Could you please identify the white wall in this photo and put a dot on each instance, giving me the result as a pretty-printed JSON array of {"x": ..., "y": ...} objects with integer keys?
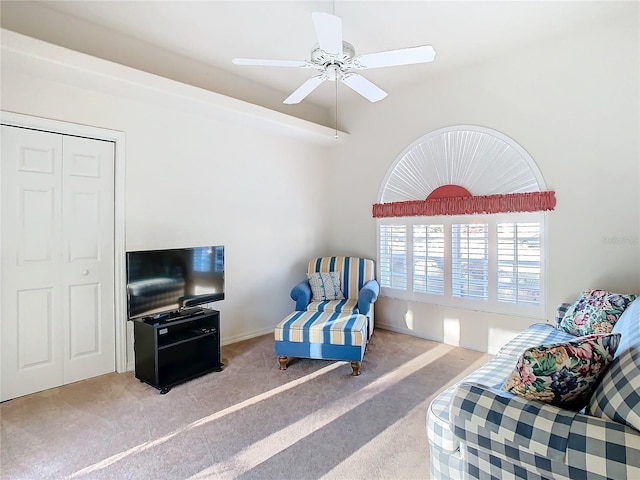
[
  {"x": 573, "y": 104},
  {"x": 215, "y": 171},
  {"x": 196, "y": 173}
]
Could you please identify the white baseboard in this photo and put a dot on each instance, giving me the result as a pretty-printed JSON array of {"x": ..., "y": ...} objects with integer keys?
[
  {"x": 246, "y": 336},
  {"x": 406, "y": 331},
  {"x": 412, "y": 333}
]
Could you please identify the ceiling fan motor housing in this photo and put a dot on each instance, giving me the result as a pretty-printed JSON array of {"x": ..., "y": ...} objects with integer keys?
[{"x": 323, "y": 59}]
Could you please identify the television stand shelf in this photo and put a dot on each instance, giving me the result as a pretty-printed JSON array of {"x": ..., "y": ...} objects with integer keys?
[{"x": 177, "y": 349}]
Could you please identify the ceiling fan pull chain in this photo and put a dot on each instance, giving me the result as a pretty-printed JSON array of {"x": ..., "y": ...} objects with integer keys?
[{"x": 336, "y": 136}]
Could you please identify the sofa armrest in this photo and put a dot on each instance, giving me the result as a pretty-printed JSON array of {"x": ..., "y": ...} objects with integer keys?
[
  {"x": 482, "y": 415},
  {"x": 560, "y": 311},
  {"x": 616, "y": 445},
  {"x": 301, "y": 294},
  {"x": 368, "y": 295},
  {"x": 522, "y": 430}
]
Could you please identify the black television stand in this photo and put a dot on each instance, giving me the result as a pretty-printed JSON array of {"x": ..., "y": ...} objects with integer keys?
[{"x": 176, "y": 348}]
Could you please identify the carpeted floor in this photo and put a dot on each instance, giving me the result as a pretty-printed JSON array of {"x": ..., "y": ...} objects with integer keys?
[{"x": 250, "y": 421}]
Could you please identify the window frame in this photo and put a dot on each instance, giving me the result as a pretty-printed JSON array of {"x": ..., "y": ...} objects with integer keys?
[{"x": 491, "y": 305}]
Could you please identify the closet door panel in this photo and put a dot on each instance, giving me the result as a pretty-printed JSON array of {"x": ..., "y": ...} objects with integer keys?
[
  {"x": 84, "y": 320},
  {"x": 88, "y": 280},
  {"x": 35, "y": 329},
  {"x": 37, "y": 209},
  {"x": 31, "y": 332}
]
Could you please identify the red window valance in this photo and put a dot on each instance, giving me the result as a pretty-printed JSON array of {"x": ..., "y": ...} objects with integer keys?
[{"x": 465, "y": 205}]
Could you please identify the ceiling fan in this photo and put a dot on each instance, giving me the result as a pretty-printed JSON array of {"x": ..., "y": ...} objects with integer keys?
[{"x": 335, "y": 59}]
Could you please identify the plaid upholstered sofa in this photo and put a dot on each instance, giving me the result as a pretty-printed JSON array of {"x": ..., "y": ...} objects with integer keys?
[{"x": 477, "y": 430}]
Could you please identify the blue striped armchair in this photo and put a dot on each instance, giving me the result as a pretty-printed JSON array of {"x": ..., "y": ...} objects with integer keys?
[{"x": 331, "y": 329}]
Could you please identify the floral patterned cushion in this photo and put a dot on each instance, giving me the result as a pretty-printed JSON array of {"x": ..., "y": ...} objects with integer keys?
[
  {"x": 325, "y": 286},
  {"x": 595, "y": 311},
  {"x": 563, "y": 374}
]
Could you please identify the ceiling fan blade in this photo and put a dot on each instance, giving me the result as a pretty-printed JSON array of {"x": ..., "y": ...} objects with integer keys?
[
  {"x": 392, "y": 58},
  {"x": 329, "y": 32},
  {"x": 364, "y": 87},
  {"x": 305, "y": 89},
  {"x": 269, "y": 63}
]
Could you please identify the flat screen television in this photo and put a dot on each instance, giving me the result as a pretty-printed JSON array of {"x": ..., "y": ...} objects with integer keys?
[{"x": 162, "y": 282}]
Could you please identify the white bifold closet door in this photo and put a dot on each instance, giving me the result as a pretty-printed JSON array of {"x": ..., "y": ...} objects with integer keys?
[{"x": 57, "y": 249}]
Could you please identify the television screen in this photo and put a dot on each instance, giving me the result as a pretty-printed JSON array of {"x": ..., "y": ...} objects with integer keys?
[{"x": 160, "y": 281}]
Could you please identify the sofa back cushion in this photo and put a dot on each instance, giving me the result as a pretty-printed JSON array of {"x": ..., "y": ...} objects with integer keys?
[
  {"x": 628, "y": 325},
  {"x": 355, "y": 272},
  {"x": 617, "y": 397}
]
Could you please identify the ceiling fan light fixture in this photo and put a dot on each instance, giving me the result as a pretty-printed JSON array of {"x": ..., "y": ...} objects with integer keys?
[{"x": 333, "y": 72}]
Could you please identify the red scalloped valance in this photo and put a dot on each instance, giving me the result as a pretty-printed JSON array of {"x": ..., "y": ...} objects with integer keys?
[{"x": 504, "y": 203}]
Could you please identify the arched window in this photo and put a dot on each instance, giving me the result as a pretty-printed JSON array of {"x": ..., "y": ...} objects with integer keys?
[{"x": 461, "y": 223}]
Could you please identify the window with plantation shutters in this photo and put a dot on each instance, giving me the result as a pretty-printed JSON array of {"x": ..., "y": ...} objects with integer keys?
[
  {"x": 519, "y": 263},
  {"x": 470, "y": 260},
  {"x": 428, "y": 259},
  {"x": 493, "y": 263},
  {"x": 393, "y": 256}
]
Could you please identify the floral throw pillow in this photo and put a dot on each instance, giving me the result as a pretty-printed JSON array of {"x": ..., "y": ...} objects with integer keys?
[
  {"x": 563, "y": 374},
  {"x": 325, "y": 286},
  {"x": 595, "y": 311}
]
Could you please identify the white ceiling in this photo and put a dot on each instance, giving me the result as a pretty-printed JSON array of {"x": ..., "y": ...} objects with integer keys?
[{"x": 214, "y": 32}]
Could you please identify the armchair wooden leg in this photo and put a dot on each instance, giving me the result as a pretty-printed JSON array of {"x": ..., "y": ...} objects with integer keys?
[
  {"x": 283, "y": 362},
  {"x": 355, "y": 366}
]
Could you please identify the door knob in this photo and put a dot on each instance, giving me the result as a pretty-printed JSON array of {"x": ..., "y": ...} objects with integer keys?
[{"x": 85, "y": 272}]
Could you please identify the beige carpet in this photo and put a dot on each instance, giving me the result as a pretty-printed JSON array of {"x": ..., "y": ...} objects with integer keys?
[{"x": 250, "y": 421}]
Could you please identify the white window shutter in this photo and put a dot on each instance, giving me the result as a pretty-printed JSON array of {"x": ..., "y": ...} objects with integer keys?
[
  {"x": 428, "y": 259},
  {"x": 470, "y": 261},
  {"x": 519, "y": 263},
  {"x": 393, "y": 256}
]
